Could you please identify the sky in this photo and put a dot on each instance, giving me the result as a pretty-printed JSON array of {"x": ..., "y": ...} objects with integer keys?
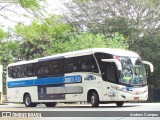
[{"x": 52, "y": 8}]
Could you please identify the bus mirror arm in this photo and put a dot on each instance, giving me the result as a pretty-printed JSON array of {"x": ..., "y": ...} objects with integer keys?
[
  {"x": 117, "y": 62},
  {"x": 150, "y": 65}
]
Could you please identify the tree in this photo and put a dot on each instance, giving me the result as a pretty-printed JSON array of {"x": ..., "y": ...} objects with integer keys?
[
  {"x": 117, "y": 41},
  {"x": 136, "y": 20},
  {"x": 148, "y": 47},
  {"x": 40, "y": 37},
  {"x": 50, "y": 36},
  {"x": 132, "y": 18},
  {"x": 29, "y": 7},
  {"x": 8, "y": 50},
  {"x": 2, "y": 34}
]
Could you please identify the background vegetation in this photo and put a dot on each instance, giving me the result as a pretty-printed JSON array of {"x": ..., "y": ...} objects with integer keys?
[{"x": 124, "y": 24}]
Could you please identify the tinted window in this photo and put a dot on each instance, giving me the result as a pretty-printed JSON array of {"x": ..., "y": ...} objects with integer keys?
[
  {"x": 88, "y": 64},
  {"x": 31, "y": 70},
  {"x": 81, "y": 64},
  {"x": 100, "y": 56},
  {"x": 108, "y": 70},
  {"x": 72, "y": 65},
  {"x": 47, "y": 68},
  {"x": 12, "y": 72},
  {"x": 42, "y": 69},
  {"x": 111, "y": 72},
  {"x": 54, "y": 67},
  {"x": 50, "y": 68},
  {"x": 21, "y": 71}
]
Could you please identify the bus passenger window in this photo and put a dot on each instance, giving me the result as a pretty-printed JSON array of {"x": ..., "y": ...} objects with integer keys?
[
  {"x": 85, "y": 66},
  {"x": 55, "y": 67},
  {"x": 88, "y": 64},
  {"x": 29, "y": 70},
  {"x": 10, "y": 72},
  {"x": 71, "y": 65}
]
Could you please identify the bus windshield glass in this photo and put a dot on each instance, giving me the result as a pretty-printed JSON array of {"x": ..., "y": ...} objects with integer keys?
[{"x": 133, "y": 72}]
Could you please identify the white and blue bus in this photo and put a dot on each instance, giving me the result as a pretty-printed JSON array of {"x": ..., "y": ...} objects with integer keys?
[{"x": 98, "y": 75}]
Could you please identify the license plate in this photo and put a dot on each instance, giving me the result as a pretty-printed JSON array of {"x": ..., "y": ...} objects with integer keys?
[{"x": 136, "y": 98}]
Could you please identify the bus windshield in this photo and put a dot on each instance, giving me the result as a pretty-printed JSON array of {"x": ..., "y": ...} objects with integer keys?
[{"x": 133, "y": 72}]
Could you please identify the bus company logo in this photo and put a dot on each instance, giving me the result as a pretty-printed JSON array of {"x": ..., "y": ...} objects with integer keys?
[
  {"x": 127, "y": 89},
  {"x": 21, "y": 114},
  {"x": 112, "y": 94},
  {"x": 6, "y": 114},
  {"x": 90, "y": 77},
  {"x": 73, "y": 79}
]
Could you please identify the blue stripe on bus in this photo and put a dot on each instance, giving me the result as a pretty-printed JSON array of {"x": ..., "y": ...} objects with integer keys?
[{"x": 45, "y": 81}]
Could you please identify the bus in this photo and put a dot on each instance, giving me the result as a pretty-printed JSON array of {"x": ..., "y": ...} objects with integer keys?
[{"x": 97, "y": 75}]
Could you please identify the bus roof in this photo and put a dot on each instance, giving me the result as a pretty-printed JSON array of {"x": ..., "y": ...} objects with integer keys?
[{"x": 118, "y": 52}]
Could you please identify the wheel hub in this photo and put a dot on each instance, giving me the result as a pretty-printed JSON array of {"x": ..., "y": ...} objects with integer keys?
[
  {"x": 92, "y": 99},
  {"x": 28, "y": 101}
]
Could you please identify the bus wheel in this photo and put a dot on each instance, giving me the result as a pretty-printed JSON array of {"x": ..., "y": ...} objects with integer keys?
[
  {"x": 120, "y": 103},
  {"x": 50, "y": 104},
  {"x": 94, "y": 99},
  {"x": 28, "y": 101}
]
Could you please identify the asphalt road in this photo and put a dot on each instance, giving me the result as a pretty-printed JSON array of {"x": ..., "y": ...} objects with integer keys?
[
  {"x": 136, "y": 110},
  {"x": 83, "y": 107}
]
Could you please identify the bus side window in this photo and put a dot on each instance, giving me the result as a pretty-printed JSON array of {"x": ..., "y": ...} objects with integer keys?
[
  {"x": 88, "y": 64},
  {"x": 71, "y": 65},
  {"x": 111, "y": 74},
  {"x": 10, "y": 72},
  {"x": 29, "y": 70},
  {"x": 108, "y": 70},
  {"x": 20, "y": 71},
  {"x": 56, "y": 67},
  {"x": 41, "y": 69}
]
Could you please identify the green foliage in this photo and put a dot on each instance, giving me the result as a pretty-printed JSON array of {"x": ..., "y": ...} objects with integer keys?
[
  {"x": 7, "y": 53},
  {"x": 2, "y": 34},
  {"x": 81, "y": 1},
  {"x": 81, "y": 40},
  {"x": 50, "y": 37},
  {"x": 29, "y": 9},
  {"x": 136, "y": 20},
  {"x": 148, "y": 47},
  {"x": 30, "y": 4},
  {"x": 117, "y": 41},
  {"x": 132, "y": 18},
  {"x": 39, "y": 38}
]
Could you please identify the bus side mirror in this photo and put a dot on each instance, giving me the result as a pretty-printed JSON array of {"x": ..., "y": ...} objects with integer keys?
[
  {"x": 117, "y": 62},
  {"x": 150, "y": 65}
]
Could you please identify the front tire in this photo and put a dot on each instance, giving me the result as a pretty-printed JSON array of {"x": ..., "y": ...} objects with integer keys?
[
  {"x": 94, "y": 99},
  {"x": 119, "y": 104},
  {"x": 28, "y": 101},
  {"x": 51, "y": 104}
]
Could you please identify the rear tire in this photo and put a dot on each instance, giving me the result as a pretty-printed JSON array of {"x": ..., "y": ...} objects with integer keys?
[
  {"x": 119, "y": 104},
  {"x": 28, "y": 101},
  {"x": 94, "y": 99},
  {"x": 51, "y": 104}
]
